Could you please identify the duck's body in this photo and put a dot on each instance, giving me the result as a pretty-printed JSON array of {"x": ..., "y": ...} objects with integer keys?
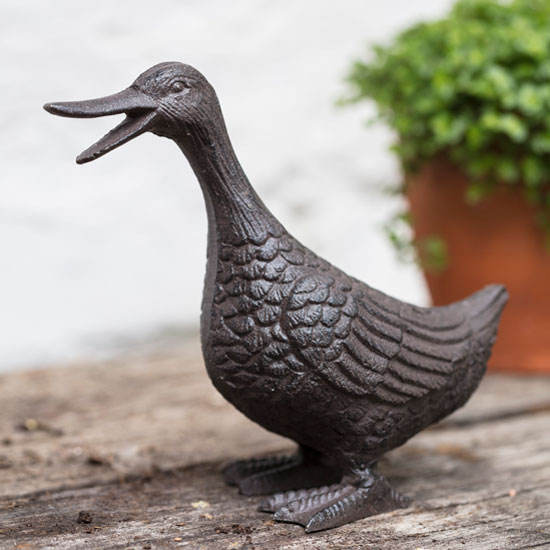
[
  {"x": 294, "y": 343},
  {"x": 312, "y": 354}
]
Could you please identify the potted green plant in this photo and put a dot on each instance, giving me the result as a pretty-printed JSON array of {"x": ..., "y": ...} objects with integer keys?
[{"x": 468, "y": 97}]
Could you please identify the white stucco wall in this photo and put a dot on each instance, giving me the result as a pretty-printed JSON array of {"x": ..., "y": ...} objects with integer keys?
[{"x": 114, "y": 251}]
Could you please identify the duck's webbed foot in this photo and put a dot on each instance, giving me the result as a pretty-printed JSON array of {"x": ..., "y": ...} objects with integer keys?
[
  {"x": 357, "y": 496},
  {"x": 263, "y": 476}
]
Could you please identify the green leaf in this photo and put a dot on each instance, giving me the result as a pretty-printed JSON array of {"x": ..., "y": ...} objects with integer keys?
[
  {"x": 444, "y": 85},
  {"x": 448, "y": 129},
  {"x": 507, "y": 170},
  {"x": 479, "y": 166},
  {"x": 500, "y": 80},
  {"x": 533, "y": 171},
  {"x": 475, "y": 137},
  {"x": 530, "y": 100},
  {"x": 509, "y": 124},
  {"x": 513, "y": 126},
  {"x": 541, "y": 143},
  {"x": 533, "y": 44},
  {"x": 476, "y": 192},
  {"x": 432, "y": 253}
]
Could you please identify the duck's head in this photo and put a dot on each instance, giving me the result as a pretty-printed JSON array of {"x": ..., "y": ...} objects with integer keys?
[{"x": 167, "y": 99}]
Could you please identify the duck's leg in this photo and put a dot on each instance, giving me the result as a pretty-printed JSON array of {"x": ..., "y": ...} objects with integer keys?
[
  {"x": 263, "y": 476},
  {"x": 360, "y": 494}
]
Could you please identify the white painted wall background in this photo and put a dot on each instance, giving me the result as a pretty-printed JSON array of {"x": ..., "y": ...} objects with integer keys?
[{"x": 114, "y": 251}]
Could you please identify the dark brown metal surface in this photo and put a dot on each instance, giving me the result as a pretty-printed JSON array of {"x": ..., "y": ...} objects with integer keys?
[{"x": 294, "y": 343}]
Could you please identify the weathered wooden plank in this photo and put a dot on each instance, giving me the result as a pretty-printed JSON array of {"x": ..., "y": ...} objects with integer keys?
[
  {"x": 133, "y": 417},
  {"x": 136, "y": 446}
]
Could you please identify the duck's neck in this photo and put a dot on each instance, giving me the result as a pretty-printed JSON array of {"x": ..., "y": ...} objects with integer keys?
[{"x": 235, "y": 212}]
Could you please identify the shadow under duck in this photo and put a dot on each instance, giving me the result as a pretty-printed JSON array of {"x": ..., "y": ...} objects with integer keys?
[{"x": 294, "y": 343}]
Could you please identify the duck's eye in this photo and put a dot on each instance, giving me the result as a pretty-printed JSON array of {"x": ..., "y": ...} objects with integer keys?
[{"x": 178, "y": 86}]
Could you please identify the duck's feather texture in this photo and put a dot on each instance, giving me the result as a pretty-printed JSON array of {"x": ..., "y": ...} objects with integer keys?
[{"x": 366, "y": 344}]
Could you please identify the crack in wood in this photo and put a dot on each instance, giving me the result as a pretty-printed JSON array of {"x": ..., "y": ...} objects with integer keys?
[{"x": 500, "y": 415}]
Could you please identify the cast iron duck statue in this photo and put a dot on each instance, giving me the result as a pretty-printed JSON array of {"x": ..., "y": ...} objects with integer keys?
[{"x": 294, "y": 343}]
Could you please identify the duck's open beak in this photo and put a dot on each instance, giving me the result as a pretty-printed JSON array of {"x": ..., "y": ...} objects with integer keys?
[{"x": 140, "y": 112}]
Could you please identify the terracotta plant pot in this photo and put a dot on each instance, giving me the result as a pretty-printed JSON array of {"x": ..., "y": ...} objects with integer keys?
[{"x": 496, "y": 241}]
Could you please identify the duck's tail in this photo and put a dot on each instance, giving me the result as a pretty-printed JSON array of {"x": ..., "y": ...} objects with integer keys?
[{"x": 486, "y": 309}]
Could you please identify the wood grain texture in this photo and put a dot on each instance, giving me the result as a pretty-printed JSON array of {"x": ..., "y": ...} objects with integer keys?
[{"x": 127, "y": 453}]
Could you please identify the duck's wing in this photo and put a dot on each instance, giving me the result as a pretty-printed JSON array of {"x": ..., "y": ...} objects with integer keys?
[{"x": 365, "y": 343}]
